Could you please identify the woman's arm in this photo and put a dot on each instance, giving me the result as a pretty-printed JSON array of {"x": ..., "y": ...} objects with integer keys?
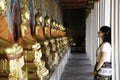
[{"x": 101, "y": 61}]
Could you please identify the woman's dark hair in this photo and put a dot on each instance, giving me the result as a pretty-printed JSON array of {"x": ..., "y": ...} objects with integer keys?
[{"x": 106, "y": 30}]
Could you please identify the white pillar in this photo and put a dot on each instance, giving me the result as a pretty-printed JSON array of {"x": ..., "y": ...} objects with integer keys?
[
  {"x": 102, "y": 10},
  {"x": 94, "y": 33},
  {"x": 92, "y": 29},
  {"x": 88, "y": 23},
  {"x": 91, "y": 34},
  {"x": 98, "y": 10},
  {"x": 115, "y": 39},
  {"x": 119, "y": 40},
  {"x": 107, "y": 12}
]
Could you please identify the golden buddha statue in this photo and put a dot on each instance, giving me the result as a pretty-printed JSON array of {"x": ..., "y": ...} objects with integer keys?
[
  {"x": 53, "y": 29},
  {"x": 40, "y": 34},
  {"x": 30, "y": 44},
  {"x": 41, "y": 37},
  {"x": 25, "y": 27},
  {"x": 10, "y": 52},
  {"x": 62, "y": 32},
  {"x": 47, "y": 27},
  {"x": 57, "y": 29},
  {"x": 39, "y": 29},
  {"x": 35, "y": 56},
  {"x": 27, "y": 40},
  {"x": 42, "y": 71},
  {"x": 4, "y": 30}
]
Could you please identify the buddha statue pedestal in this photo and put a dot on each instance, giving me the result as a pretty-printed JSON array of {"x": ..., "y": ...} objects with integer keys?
[
  {"x": 57, "y": 42},
  {"x": 12, "y": 63},
  {"x": 42, "y": 71},
  {"x": 54, "y": 52},
  {"x": 29, "y": 64},
  {"x": 47, "y": 57},
  {"x": 29, "y": 56},
  {"x": 36, "y": 69}
]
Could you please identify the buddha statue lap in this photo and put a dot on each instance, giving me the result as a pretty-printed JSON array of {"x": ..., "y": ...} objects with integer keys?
[
  {"x": 11, "y": 57},
  {"x": 54, "y": 52},
  {"x": 47, "y": 27}
]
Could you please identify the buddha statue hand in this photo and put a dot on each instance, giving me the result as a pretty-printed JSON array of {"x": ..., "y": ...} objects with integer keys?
[
  {"x": 46, "y": 43},
  {"x": 52, "y": 41},
  {"x": 15, "y": 44},
  {"x": 14, "y": 50},
  {"x": 37, "y": 60},
  {"x": 36, "y": 46},
  {"x": 19, "y": 50}
]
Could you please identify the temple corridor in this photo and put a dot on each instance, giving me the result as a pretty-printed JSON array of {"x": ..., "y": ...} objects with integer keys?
[
  {"x": 56, "y": 39},
  {"x": 78, "y": 67}
]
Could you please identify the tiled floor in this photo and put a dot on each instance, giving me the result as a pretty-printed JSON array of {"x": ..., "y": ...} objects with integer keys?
[{"x": 78, "y": 68}]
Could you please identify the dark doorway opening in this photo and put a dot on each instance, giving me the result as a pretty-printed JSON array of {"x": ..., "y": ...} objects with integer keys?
[{"x": 74, "y": 21}]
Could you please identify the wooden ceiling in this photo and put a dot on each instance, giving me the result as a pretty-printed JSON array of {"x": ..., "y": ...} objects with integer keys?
[{"x": 73, "y": 4}]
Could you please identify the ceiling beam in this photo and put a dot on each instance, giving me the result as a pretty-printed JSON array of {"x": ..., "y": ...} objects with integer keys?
[
  {"x": 73, "y": 5},
  {"x": 71, "y": 1}
]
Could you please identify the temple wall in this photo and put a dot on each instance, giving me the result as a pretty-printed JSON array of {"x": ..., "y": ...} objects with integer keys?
[{"x": 51, "y": 8}]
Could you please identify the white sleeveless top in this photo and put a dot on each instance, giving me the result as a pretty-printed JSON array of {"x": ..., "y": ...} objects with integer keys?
[{"x": 106, "y": 49}]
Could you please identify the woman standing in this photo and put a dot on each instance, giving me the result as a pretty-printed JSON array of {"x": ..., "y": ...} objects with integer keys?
[{"x": 103, "y": 69}]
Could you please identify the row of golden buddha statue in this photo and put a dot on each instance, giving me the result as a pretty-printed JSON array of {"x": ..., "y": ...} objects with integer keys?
[{"x": 31, "y": 57}]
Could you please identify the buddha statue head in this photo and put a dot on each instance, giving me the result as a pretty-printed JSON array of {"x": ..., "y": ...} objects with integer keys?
[
  {"x": 39, "y": 18},
  {"x": 56, "y": 25},
  {"x": 47, "y": 21},
  {"x": 3, "y": 6},
  {"x": 53, "y": 23},
  {"x": 25, "y": 13},
  {"x": 59, "y": 26}
]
